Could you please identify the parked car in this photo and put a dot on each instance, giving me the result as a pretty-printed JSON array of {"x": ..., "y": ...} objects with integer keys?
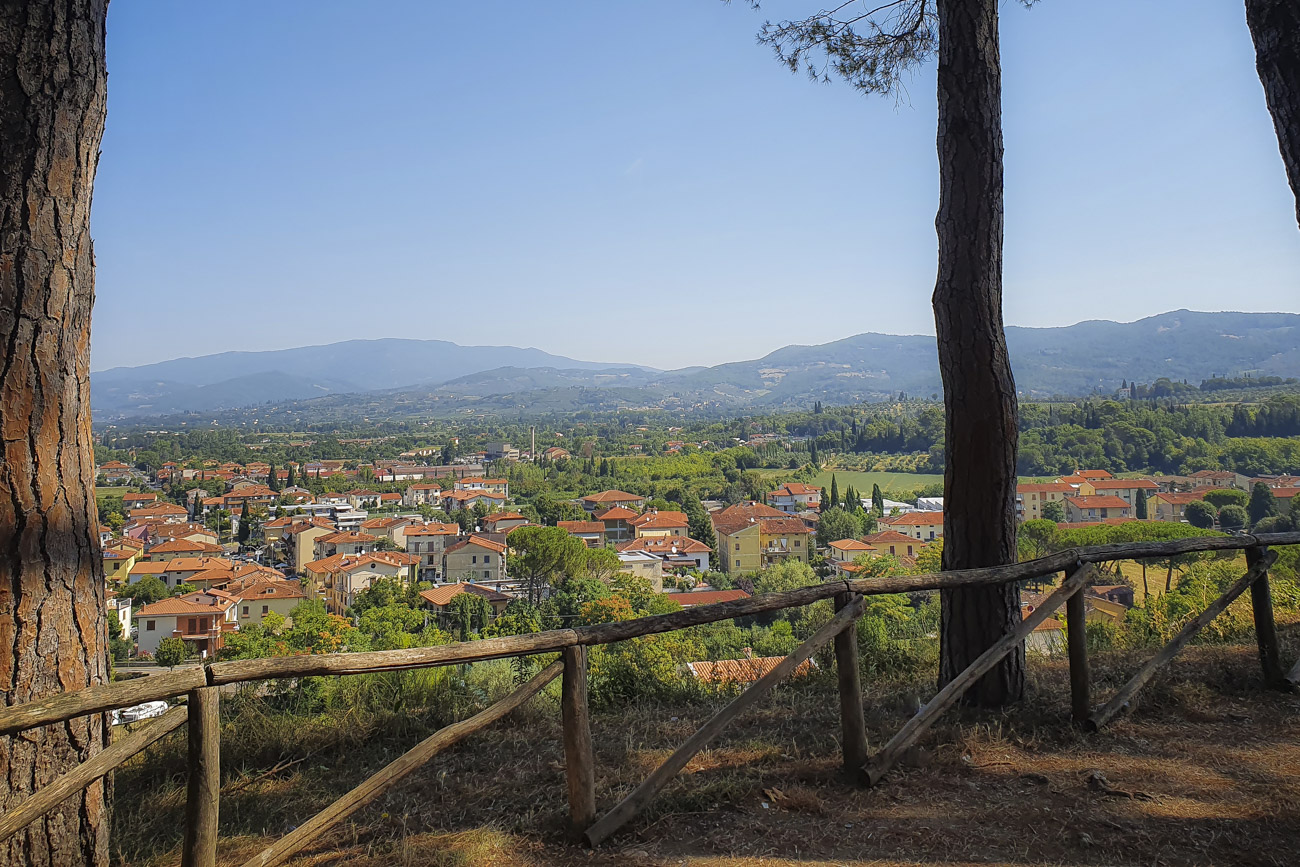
[{"x": 148, "y": 710}]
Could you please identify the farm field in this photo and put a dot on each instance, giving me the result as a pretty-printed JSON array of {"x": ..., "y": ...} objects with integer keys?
[
  {"x": 112, "y": 491},
  {"x": 862, "y": 481}
]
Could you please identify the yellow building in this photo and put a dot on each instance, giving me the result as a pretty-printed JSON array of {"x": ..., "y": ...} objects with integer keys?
[
  {"x": 752, "y": 536},
  {"x": 118, "y": 560},
  {"x": 1030, "y": 498},
  {"x": 339, "y": 578},
  {"x": 660, "y": 525}
]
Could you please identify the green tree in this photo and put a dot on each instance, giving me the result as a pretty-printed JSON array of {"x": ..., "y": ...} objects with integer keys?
[
  {"x": 171, "y": 652},
  {"x": 1140, "y": 505},
  {"x": 272, "y": 478},
  {"x": 545, "y": 556},
  {"x": 245, "y": 524},
  {"x": 835, "y": 524},
  {"x": 1200, "y": 514},
  {"x": 1232, "y": 517},
  {"x": 1036, "y": 538},
  {"x": 835, "y": 493},
  {"x": 292, "y": 480},
  {"x": 877, "y": 499},
  {"x": 468, "y": 614},
  {"x": 1220, "y": 497},
  {"x": 1054, "y": 512},
  {"x": 147, "y": 590},
  {"x": 1262, "y": 503}
]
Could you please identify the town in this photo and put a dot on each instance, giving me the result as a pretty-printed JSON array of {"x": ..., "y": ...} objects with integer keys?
[{"x": 195, "y": 555}]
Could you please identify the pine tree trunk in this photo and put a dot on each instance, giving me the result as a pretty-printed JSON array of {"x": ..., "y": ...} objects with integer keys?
[
  {"x": 979, "y": 393},
  {"x": 1275, "y": 29},
  {"x": 53, "y": 634}
]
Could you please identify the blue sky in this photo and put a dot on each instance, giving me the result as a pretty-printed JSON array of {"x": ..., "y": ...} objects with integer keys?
[{"x": 640, "y": 181}]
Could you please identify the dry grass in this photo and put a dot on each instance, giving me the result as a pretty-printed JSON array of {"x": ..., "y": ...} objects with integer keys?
[{"x": 1205, "y": 771}]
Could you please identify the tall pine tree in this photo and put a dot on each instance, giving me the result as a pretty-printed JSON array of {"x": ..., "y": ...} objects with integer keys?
[{"x": 835, "y": 491}]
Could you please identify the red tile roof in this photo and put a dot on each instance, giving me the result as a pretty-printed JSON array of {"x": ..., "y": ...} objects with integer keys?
[
  {"x": 745, "y": 670},
  {"x": 1098, "y": 501},
  {"x": 444, "y": 593},
  {"x": 613, "y": 497}
]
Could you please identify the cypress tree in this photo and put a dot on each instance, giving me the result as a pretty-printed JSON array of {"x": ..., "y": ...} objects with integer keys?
[
  {"x": 272, "y": 478},
  {"x": 1140, "y": 505},
  {"x": 244, "y": 522},
  {"x": 835, "y": 491},
  {"x": 1262, "y": 503},
  {"x": 877, "y": 499},
  {"x": 293, "y": 479}
]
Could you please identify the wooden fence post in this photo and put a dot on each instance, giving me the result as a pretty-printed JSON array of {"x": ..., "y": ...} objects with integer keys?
[
  {"x": 579, "y": 767},
  {"x": 203, "y": 791},
  {"x": 1261, "y": 601},
  {"x": 853, "y": 726},
  {"x": 1076, "y": 633}
]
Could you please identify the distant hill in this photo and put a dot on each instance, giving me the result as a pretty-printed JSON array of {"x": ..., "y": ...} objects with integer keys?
[
  {"x": 234, "y": 379},
  {"x": 1081, "y": 359}
]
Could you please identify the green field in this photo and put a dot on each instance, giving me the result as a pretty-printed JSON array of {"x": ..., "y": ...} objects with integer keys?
[
  {"x": 862, "y": 482},
  {"x": 101, "y": 493}
]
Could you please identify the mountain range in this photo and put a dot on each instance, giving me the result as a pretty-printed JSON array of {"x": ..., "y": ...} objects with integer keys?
[{"x": 438, "y": 377}]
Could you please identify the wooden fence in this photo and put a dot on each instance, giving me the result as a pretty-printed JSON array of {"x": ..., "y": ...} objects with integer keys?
[{"x": 202, "y": 685}]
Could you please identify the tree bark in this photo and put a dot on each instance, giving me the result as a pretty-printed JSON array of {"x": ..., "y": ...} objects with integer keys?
[
  {"x": 979, "y": 392},
  {"x": 53, "y": 635},
  {"x": 1275, "y": 28}
]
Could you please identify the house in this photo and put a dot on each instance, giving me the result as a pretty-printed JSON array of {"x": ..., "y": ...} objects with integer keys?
[
  {"x": 608, "y": 499},
  {"x": 138, "y": 501},
  {"x": 428, "y": 542},
  {"x": 1125, "y": 489},
  {"x": 114, "y": 471},
  {"x": 180, "y": 570},
  {"x": 477, "y": 483},
  {"x": 618, "y": 523},
  {"x": 344, "y": 543},
  {"x": 926, "y": 526},
  {"x": 475, "y": 559},
  {"x": 1109, "y": 602},
  {"x": 454, "y": 500},
  {"x": 1220, "y": 479},
  {"x": 746, "y": 670},
  {"x": 362, "y": 499},
  {"x": 673, "y": 552},
  {"x": 422, "y": 494},
  {"x": 1097, "y": 507},
  {"x": 118, "y": 560},
  {"x": 752, "y": 536},
  {"x": 843, "y": 552},
  {"x": 1048, "y": 637},
  {"x": 391, "y": 528},
  {"x": 119, "y": 608},
  {"x": 503, "y": 522},
  {"x": 165, "y": 512},
  {"x": 893, "y": 543},
  {"x": 591, "y": 532},
  {"x": 439, "y": 598},
  {"x": 170, "y": 549},
  {"x": 142, "y": 568},
  {"x": 299, "y": 539},
  {"x": 1031, "y": 497},
  {"x": 1094, "y": 475},
  {"x": 659, "y": 525},
  {"x": 201, "y": 619},
  {"x": 1170, "y": 506},
  {"x": 259, "y": 596},
  {"x": 795, "y": 497},
  {"x": 641, "y": 564},
  {"x": 340, "y": 577},
  {"x": 555, "y": 453},
  {"x": 705, "y": 595}
]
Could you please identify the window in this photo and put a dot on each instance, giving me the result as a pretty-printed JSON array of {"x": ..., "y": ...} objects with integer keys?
[
  {"x": 737, "y": 546},
  {"x": 245, "y": 610},
  {"x": 148, "y": 626},
  {"x": 475, "y": 560},
  {"x": 266, "y": 609},
  {"x": 487, "y": 558},
  {"x": 486, "y": 574},
  {"x": 798, "y": 543}
]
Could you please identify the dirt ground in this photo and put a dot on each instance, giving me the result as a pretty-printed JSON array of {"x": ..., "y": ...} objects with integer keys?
[{"x": 1206, "y": 770}]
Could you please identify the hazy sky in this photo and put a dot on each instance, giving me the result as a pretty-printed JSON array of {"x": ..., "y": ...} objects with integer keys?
[{"x": 639, "y": 181}]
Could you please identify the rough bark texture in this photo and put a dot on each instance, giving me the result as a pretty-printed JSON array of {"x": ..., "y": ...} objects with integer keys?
[
  {"x": 979, "y": 393},
  {"x": 1275, "y": 28},
  {"x": 52, "y": 624}
]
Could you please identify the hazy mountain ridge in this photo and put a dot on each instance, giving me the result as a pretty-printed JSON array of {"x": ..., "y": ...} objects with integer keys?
[{"x": 1095, "y": 355}]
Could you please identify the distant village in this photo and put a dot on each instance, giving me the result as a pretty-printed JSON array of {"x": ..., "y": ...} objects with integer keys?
[{"x": 282, "y": 545}]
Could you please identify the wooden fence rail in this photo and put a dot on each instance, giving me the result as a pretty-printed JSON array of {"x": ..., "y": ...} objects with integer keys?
[{"x": 202, "y": 685}]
